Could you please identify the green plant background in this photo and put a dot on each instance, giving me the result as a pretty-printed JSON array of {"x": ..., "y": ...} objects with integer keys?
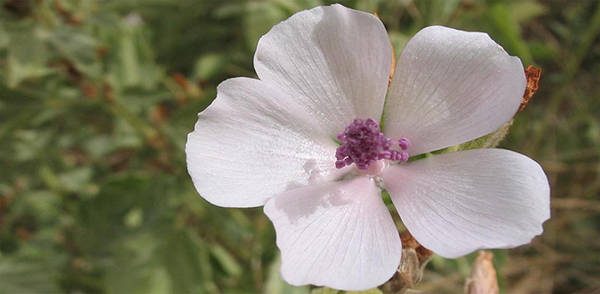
[{"x": 96, "y": 99}]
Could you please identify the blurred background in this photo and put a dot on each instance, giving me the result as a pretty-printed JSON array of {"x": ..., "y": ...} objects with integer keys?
[{"x": 96, "y": 99}]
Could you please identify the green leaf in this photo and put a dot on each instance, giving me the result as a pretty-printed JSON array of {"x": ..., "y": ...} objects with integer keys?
[
  {"x": 508, "y": 31},
  {"x": 208, "y": 66},
  {"x": 27, "y": 56},
  {"x": 27, "y": 274},
  {"x": 226, "y": 260},
  {"x": 180, "y": 256},
  {"x": 523, "y": 11},
  {"x": 370, "y": 291},
  {"x": 487, "y": 141},
  {"x": 275, "y": 284},
  {"x": 134, "y": 269},
  {"x": 77, "y": 180},
  {"x": 324, "y": 290},
  {"x": 437, "y": 11},
  {"x": 78, "y": 48},
  {"x": 260, "y": 17}
]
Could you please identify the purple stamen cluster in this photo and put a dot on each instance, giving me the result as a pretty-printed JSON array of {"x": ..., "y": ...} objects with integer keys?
[{"x": 363, "y": 143}]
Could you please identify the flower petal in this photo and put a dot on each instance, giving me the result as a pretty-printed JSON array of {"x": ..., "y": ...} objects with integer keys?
[
  {"x": 335, "y": 61},
  {"x": 451, "y": 87},
  {"x": 458, "y": 202},
  {"x": 254, "y": 142},
  {"x": 338, "y": 234}
]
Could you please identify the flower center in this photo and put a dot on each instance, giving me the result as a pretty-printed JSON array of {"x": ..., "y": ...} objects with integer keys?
[{"x": 363, "y": 143}]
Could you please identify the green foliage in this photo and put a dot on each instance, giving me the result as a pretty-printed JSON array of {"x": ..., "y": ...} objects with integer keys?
[{"x": 96, "y": 99}]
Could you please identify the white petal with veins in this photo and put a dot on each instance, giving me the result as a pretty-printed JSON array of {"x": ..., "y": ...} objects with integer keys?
[
  {"x": 451, "y": 87},
  {"x": 338, "y": 234},
  {"x": 333, "y": 60},
  {"x": 253, "y": 142},
  {"x": 458, "y": 202}
]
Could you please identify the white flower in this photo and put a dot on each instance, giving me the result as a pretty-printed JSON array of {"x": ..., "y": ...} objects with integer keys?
[{"x": 272, "y": 141}]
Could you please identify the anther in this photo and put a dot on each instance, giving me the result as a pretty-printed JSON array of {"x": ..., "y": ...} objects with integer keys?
[{"x": 363, "y": 143}]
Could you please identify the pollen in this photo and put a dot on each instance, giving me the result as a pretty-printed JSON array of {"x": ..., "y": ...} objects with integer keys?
[{"x": 363, "y": 143}]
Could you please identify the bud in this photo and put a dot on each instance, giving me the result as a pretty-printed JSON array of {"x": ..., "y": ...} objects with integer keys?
[
  {"x": 410, "y": 271},
  {"x": 483, "y": 275}
]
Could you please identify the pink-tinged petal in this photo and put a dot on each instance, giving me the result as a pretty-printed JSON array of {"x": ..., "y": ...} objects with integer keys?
[
  {"x": 334, "y": 60},
  {"x": 458, "y": 202},
  {"x": 337, "y": 234},
  {"x": 451, "y": 87},
  {"x": 254, "y": 142}
]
